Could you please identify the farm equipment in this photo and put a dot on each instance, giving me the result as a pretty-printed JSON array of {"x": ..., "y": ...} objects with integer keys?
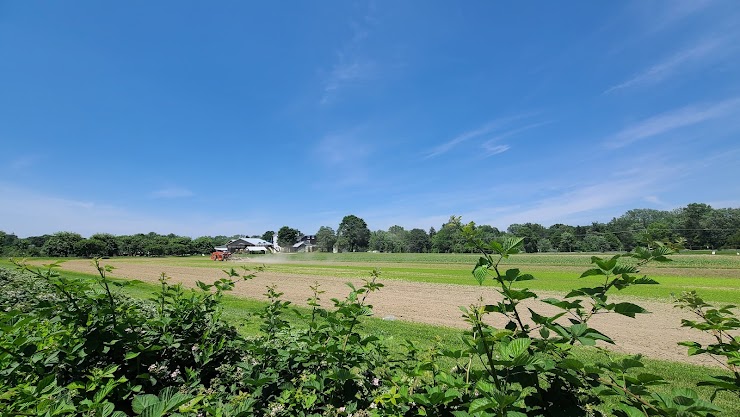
[{"x": 220, "y": 256}]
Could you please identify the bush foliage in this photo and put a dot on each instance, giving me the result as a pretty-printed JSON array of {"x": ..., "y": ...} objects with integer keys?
[{"x": 73, "y": 347}]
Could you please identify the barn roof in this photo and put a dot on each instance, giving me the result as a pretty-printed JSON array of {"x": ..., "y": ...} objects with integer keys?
[{"x": 252, "y": 241}]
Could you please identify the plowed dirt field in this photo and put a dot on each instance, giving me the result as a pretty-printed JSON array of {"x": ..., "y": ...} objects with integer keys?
[{"x": 654, "y": 335}]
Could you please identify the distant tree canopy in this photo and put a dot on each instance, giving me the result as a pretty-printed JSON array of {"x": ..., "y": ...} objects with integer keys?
[
  {"x": 287, "y": 236},
  {"x": 353, "y": 234},
  {"x": 326, "y": 238},
  {"x": 698, "y": 226},
  {"x": 268, "y": 235}
]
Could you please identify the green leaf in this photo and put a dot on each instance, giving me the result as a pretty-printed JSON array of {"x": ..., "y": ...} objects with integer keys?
[
  {"x": 511, "y": 275},
  {"x": 630, "y": 411},
  {"x": 480, "y": 273},
  {"x": 578, "y": 329},
  {"x": 645, "y": 280},
  {"x": 131, "y": 355},
  {"x": 571, "y": 363},
  {"x": 591, "y": 272},
  {"x": 141, "y": 402},
  {"x": 481, "y": 404},
  {"x": 628, "y": 309},
  {"x": 565, "y": 305},
  {"x": 518, "y": 346},
  {"x": 650, "y": 379}
]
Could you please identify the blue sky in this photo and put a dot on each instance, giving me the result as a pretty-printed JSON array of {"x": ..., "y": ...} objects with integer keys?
[{"x": 237, "y": 117}]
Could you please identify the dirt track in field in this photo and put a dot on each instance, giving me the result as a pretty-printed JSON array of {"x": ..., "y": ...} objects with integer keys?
[{"x": 654, "y": 335}]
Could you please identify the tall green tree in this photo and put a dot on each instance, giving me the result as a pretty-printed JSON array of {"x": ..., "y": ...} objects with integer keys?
[
  {"x": 109, "y": 242},
  {"x": 531, "y": 232},
  {"x": 268, "y": 235},
  {"x": 203, "y": 245},
  {"x": 692, "y": 221},
  {"x": 353, "y": 234},
  {"x": 89, "y": 248},
  {"x": 567, "y": 242},
  {"x": 326, "y": 238},
  {"x": 417, "y": 241},
  {"x": 62, "y": 244},
  {"x": 449, "y": 238},
  {"x": 287, "y": 236},
  {"x": 380, "y": 241}
]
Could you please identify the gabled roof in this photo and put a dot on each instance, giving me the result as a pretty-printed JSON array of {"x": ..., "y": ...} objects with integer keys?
[{"x": 252, "y": 241}]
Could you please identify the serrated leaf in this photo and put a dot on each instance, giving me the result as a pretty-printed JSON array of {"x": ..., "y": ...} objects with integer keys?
[
  {"x": 645, "y": 280},
  {"x": 518, "y": 346},
  {"x": 624, "y": 269},
  {"x": 481, "y": 404},
  {"x": 479, "y": 273},
  {"x": 141, "y": 402}
]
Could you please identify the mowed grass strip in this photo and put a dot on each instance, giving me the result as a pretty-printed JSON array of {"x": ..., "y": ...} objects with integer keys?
[{"x": 681, "y": 260}]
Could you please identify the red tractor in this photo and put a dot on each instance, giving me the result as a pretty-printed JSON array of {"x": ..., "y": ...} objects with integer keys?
[{"x": 220, "y": 255}]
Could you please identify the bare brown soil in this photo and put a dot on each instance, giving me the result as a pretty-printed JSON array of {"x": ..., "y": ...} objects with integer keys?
[{"x": 654, "y": 335}]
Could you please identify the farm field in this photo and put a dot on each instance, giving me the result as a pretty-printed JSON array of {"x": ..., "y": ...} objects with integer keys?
[
  {"x": 430, "y": 291},
  {"x": 716, "y": 277},
  {"x": 415, "y": 317},
  {"x": 426, "y": 310}
]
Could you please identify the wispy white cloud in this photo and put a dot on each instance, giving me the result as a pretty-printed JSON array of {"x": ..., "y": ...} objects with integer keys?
[
  {"x": 671, "y": 121},
  {"x": 344, "y": 73},
  {"x": 486, "y": 129},
  {"x": 659, "y": 15},
  {"x": 491, "y": 146},
  {"x": 351, "y": 66},
  {"x": 492, "y": 149},
  {"x": 670, "y": 66},
  {"x": 172, "y": 192},
  {"x": 579, "y": 203},
  {"x": 452, "y": 143}
]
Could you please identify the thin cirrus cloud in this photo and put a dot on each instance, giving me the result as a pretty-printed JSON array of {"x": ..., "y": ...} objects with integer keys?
[
  {"x": 491, "y": 149},
  {"x": 486, "y": 129},
  {"x": 351, "y": 66},
  {"x": 344, "y": 74},
  {"x": 676, "y": 63},
  {"x": 671, "y": 121},
  {"x": 172, "y": 192},
  {"x": 490, "y": 146}
]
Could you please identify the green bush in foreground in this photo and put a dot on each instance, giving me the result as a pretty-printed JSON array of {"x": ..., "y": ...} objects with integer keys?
[{"x": 75, "y": 347}]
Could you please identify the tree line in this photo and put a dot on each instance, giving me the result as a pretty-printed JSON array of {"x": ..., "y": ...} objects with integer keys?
[{"x": 696, "y": 226}]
